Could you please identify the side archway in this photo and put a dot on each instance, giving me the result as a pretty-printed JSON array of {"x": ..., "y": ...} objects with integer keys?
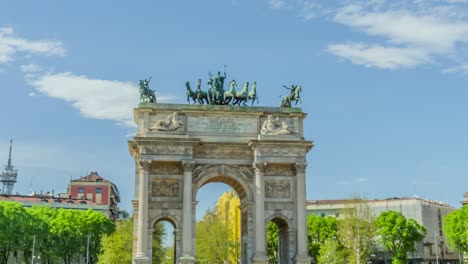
[{"x": 279, "y": 238}]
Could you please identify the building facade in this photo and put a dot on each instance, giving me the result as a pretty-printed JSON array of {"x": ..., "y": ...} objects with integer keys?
[
  {"x": 98, "y": 190},
  {"x": 432, "y": 248}
]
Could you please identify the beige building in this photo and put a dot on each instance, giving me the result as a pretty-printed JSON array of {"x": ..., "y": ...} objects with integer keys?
[{"x": 429, "y": 213}]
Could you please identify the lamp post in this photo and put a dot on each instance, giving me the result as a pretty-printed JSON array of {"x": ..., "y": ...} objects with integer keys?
[
  {"x": 436, "y": 246},
  {"x": 32, "y": 255},
  {"x": 87, "y": 250}
]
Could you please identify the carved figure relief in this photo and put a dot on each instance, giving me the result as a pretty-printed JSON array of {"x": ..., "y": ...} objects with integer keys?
[
  {"x": 165, "y": 169},
  {"x": 279, "y": 170},
  {"x": 276, "y": 151},
  {"x": 273, "y": 126},
  {"x": 209, "y": 152},
  {"x": 157, "y": 148},
  {"x": 277, "y": 189},
  {"x": 173, "y": 122},
  {"x": 232, "y": 170},
  {"x": 165, "y": 188}
]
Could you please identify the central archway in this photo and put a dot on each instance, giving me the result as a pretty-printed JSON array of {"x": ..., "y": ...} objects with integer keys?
[{"x": 235, "y": 177}]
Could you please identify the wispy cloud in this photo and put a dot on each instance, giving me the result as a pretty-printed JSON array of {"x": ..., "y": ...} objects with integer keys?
[
  {"x": 276, "y": 4},
  {"x": 10, "y": 45},
  {"x": 407, "y": 33},
  {"x": 352, "y": 181},
  {"x": 95, "y": 98},
  {"x": 379, "y": 56},
  {"x": 462, "y": 68},
  {"x": 30, "y": 68}
]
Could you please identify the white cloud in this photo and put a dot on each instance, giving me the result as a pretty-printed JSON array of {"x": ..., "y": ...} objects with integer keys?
[
  {"x": 378, "y": 56},
  {"x": 308, "y": 10},
  {"x": 276, "y": 4},
  {"x": 408, "y": 33},
  {"x": 32, "y": 94},
  {"x": 11, "y": 44},
  {"x": 99, "y": 99},
  {"x": 30, "y": 68},
  {"x": 463, "y": 69},
  {"x": 360, "y": 180},
  {"x": 352, "y": 182}
]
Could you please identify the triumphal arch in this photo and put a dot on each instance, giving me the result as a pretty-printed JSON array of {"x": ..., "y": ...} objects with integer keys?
[{"x": 259, "y": 151}]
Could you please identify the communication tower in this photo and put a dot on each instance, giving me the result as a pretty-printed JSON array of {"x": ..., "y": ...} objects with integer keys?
[{"x": 8, "y": 176}]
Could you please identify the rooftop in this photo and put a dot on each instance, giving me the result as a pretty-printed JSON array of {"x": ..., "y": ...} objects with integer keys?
[{"x": 344, "y": 201}]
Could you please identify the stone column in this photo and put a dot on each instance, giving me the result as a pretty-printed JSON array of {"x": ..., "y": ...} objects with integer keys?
[
  {"x": 302, "y": 256},
  {"x": 187, "y": 255},
  {"x": 149, "y": 243},
  {"x": 260, "y": 256},
  {"x": 141, "y": 256}
]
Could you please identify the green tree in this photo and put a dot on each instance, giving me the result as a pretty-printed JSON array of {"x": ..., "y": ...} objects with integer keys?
[
  {"x": 67, "y": 235},
  {"x": 331, "y": 252},
  {"x": 320, "y": 229},
  {"x": 93, "y": 226},
  {"x": 41, "y": 217},
  {"x": 456, "y": 228},
  {"x": 13, "y": 228},
  {"x": 272, "y": 238},
  {"x": 158, "y": 250},
  {"x": 116, "y": 247},
  {"x": 398, "y": 234},
  {"x": 212, "y": 238},
  {"x": 356, "y": 231}
]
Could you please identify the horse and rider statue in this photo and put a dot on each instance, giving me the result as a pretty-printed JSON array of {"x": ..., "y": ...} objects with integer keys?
[
  {"x": 293, "y": 96},
  {"x": 146, "y": 94}
]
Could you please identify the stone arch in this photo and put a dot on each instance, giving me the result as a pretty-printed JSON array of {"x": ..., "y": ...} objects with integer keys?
[
  {"x": 284, "y": 225},
  {"x": 236, "y": 180},
  {"x": 173, "y": 220},
  {"x": 169, "y": 218}
]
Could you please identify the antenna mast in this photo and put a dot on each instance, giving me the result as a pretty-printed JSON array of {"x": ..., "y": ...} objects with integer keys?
[{"x": 8, "y": 175}]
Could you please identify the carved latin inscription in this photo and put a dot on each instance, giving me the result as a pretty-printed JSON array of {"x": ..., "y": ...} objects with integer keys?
[
  {"x": 277, "y": 189},
  {"x": 222, "y": 125},
  {"x": 165, "y": 188}
]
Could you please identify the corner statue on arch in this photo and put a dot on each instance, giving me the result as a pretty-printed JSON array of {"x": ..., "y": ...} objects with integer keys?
[{"x": 259, "y": 151}]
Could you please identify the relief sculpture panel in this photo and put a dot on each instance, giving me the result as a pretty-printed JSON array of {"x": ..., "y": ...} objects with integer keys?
[
  {"x": 277, "y": 189},
  {"x": 165, "y": 188}
]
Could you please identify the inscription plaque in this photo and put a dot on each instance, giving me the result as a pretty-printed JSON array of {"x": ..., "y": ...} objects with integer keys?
[{"x": 215, "y": 124}]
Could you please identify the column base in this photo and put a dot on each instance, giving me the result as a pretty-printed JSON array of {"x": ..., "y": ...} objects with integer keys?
[
  {"x": 303, "y": 259},
  {"x": 141, "y": 260},
  {"x": 260, "y": 259},
  {"x": 186, "y": 260}
]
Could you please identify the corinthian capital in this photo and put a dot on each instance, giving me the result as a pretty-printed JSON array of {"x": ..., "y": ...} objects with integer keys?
[
  {"x": 301, "y": 167},
  {"x": 145, "y": 165},
  {"x": 259, "y": 167},
  {"x": 188, "y": 165}
]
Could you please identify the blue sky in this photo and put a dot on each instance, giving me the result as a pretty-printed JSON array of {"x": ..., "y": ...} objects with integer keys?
[{"x": 385, "y": 85}]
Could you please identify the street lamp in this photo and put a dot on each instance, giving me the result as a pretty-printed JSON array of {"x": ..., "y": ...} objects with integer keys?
[{"x": 436, "y": 246}]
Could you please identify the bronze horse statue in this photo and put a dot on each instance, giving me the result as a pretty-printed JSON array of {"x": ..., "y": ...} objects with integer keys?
[
  {"x": 294, "y": 95},
  {"x": 190, "y": 94},
  {"x": 201, "y": 95},
  {"x": 241, "y": 97},
  {"x": 253, "y": 93}
]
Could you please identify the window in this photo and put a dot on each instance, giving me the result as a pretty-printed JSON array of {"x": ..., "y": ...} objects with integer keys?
[
  {"x": 99, "y": 180},
  {"x": 98, "y": 190},
  {"x": 80, "y": 190}
]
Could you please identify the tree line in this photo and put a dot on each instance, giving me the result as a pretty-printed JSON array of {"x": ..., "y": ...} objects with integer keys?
[{"x": 57, "y": 235}]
